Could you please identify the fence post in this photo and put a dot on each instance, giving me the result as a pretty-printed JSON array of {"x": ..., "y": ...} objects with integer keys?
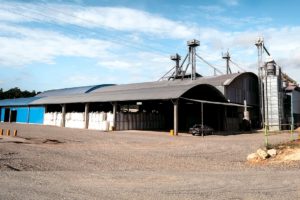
[
  {"x": 292, "y": 132},
  {"x": 266, "y": 136}
]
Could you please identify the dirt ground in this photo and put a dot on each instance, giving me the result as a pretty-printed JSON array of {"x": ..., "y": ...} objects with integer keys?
[
  {"x": 286, "y": 152},
  {"x": 46, "y": 162}
]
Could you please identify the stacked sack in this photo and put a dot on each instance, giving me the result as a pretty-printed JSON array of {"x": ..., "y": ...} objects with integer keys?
[
  {"x": 110, "y": 120},
  {"x": 75, "y": 120},
  {"x": 47, "y": 118},
  {"x": 52, "y": 118},
  {"x": 97, "y": 121}
]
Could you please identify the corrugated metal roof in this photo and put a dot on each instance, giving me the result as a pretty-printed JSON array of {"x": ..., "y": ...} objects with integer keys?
[
  {"x": 17, "y": 102},
  {"x": 139, "y": 91},
  {"x": 70, "y": 91}
]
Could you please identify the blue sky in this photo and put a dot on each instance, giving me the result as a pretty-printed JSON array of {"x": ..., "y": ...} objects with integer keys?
[{"x": 56, "y": 44}]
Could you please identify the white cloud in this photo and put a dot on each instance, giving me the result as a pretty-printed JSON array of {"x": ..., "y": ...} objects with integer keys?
[
  {"x": 21, "y": 46},
  {"x": 120, "y": 64},
  {"x": 143, "y": 66},
  {"x": 79, "y": 79},
  {"x": 116, "y": 18},
  {"x": 239, "y": 22}
]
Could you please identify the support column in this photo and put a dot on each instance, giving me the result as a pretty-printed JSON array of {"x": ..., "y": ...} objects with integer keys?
[
  {"x": 175, "y": 117},
  {"x": 46, "y": 108},
  {"x": 202, "y": 119},
  {"x": 225, "y": 119},
  {"x": 292, "y": 116},
  {"x": 63, "y": 115},
  {"x": 114, "y": 116},
  {"x": 86, "y": 115},
  {"x": 28, "y": 114},
  {"x": 45, "y": 111},
  {"x": 9, "y": 119}
]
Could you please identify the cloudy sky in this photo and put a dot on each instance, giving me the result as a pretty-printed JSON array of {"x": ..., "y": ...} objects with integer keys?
[{"x": 67, "y": 43}]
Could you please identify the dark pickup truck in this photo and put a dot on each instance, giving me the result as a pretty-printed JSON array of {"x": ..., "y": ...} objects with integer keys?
[{"x": 197, "y": 129}]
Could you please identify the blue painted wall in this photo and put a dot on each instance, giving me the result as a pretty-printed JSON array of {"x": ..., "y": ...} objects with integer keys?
[
  {"x": 2, "y": 114},
  {"x": 36, "y": 115},
  {"x": 22, "y": 114}
]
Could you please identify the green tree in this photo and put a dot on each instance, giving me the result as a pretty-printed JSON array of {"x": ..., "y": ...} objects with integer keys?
[{"x": 16, "y": 93}]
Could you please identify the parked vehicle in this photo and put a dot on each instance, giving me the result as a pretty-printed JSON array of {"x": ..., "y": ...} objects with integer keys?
[{"x": 198, "y": 128}]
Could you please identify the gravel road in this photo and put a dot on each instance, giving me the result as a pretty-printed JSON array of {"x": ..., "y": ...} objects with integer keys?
[{"x": 46, "y": 162}]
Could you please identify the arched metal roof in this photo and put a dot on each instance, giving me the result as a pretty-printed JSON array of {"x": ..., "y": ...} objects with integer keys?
[
  {"x": 159, "y": 90},
  {"x": 51, "y": 93},
  {"x": 229, "y": 81},
  {"x": 17, "y": 102},
  {"x": 71, "y": 91}
]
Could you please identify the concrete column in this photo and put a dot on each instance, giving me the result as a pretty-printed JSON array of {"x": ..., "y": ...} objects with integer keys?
[
  {"x": 114, "y": 115},
  {"x": 86, "y": 115},
  {"x": 46, "y": 108},
  {"x": 63, "y": 115},
  {"x": 175, "y": 117}
]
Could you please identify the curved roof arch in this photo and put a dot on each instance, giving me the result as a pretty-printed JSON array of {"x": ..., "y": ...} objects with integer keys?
[
  {"x": 205, "y": 92},
  {"x": 159, "y": 90},
  {"x": 230, "y": 81}
]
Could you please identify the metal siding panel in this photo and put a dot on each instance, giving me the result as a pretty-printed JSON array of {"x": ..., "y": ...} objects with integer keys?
[
  {"x": 36, "y": 115},
  {"x": 296, "y": 102},
  {"x": 22, "y": 114}
]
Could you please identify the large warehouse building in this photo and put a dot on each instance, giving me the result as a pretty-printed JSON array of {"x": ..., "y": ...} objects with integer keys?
[
  {"x": 219, "y": 100},
  {"x": 223, "y": 102}
]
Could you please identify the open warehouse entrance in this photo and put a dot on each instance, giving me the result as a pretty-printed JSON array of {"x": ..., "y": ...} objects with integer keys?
[
  {"x": 159, "y": 114},
  {"x": 192, "y": 112}
]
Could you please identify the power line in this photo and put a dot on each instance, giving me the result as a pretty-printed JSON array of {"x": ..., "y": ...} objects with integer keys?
[
  {"x": 216, "y": 69},
  {"x": 237, "y": 65},
  {"x": 107, "y": 36},
  {"x": 115, "y": 39}
]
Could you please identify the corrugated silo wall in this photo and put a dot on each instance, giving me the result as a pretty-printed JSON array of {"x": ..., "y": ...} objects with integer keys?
[
  {"x": 273, "y": 102},
  {"x": 244, "y": 87}
]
